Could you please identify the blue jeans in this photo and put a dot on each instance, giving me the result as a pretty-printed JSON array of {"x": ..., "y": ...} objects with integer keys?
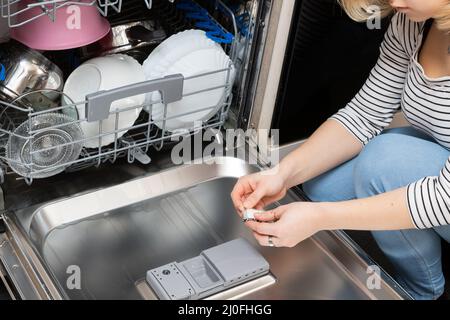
[{"x": 392, "y": 160}]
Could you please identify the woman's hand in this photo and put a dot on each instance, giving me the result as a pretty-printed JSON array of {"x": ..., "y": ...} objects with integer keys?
[
  {"x": 288, "y": 225},
  {"x": 258, "y": 191}
]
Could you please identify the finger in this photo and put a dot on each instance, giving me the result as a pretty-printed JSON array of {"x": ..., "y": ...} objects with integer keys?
[
  {"x": 272, "y": 215},
  {"x": 269, "y": 229},
  {"x": 238, "y": 195},
  {"x": 254, "y": 198},
  {"x": 267, "y": 216},
  {"x": 260, "y": 206},
  {"x": 267, "y": 201},
  {"x": 263, "y": 240}
]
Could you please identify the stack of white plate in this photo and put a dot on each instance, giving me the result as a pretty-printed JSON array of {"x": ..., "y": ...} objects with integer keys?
[{"x": 190, "y": 53}]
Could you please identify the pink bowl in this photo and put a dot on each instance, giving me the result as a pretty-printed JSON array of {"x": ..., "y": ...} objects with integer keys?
[{"x": 75, "y": 26}]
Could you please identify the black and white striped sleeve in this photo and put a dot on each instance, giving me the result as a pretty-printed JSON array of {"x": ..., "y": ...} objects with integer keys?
[
  {"x": 375, "y": 105},
  {"x": 429, "y": 200}
]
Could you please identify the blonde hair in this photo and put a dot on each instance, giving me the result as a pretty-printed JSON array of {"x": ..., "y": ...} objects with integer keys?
[{"x": 359, "y": 10}]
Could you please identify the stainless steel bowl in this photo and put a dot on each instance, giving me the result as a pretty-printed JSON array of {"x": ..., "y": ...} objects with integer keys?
[
  {"x": 130, "y": 38},
  {"x": 26, "y": 70}
]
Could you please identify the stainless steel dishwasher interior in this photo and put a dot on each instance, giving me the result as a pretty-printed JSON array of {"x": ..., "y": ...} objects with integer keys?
[{"x": 114, "y": 235}]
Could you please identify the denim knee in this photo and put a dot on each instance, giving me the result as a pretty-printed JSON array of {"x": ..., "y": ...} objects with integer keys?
[
  {"x": 372, "y": 167},
  {"x": 313, "y": 191},
  {"x": 391, "y": 161},
  {"x": 334, "y": 185}
]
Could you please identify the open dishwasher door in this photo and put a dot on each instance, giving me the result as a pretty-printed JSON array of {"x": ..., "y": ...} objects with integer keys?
[
  {"x": 95, "y": 233},
  {"x": 100, "y": 244}
]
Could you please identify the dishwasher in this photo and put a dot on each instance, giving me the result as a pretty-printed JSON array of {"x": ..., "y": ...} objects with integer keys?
[{"x": 94, "y": 216}]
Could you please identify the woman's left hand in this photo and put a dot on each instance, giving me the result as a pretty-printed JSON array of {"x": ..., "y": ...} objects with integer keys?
[{"x": 288, "y": 225}]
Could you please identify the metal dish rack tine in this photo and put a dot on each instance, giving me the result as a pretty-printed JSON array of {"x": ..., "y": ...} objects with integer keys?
[
  {"x": 116, "y": 135},
  {"x": 163, "y": 130},
  {"x": 104, "y": 5},
  {"x": 11, "y": 10},
  {"x": 100, "y": 127},
  {"x": 49, "y": 9}
]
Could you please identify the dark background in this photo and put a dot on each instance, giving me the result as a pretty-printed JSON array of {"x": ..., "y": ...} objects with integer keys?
[{"x": 328, "y": 60}]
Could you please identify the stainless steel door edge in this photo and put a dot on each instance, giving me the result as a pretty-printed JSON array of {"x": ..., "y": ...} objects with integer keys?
[
  {"x": 28, "y": 276},
  {"x": 16, "y": 272},
  {"x": 370, "y": 277},
  {"x": 365, "y": 259}
]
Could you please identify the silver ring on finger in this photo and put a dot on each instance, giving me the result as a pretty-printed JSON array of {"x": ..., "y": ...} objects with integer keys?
[{"x": 270, "y": 241}]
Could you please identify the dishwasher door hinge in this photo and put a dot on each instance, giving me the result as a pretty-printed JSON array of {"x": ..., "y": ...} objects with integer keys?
[
  {"x": 2, "y": 200},
  {"x": 2, "y": 225}
]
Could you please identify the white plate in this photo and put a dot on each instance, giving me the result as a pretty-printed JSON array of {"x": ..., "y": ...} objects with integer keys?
[
  {"x": 178, "y": 45},
  {"x": 195, "y": 63},
  {"x": 172, "y": 49},
  {"x": 105, "y": 73}
]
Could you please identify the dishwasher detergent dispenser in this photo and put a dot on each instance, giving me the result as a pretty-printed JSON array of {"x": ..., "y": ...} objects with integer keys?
[{"x": 214, "y": 270}]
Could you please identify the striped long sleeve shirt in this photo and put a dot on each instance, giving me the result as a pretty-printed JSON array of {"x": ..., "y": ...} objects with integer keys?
[{"x": 398, "y": 82}]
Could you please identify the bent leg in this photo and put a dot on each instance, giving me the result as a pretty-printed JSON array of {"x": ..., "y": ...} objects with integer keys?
[{"x": 389, "y": 162}]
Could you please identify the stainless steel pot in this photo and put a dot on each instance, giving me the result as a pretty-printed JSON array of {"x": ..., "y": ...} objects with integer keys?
[
  {"x": 130, "y": 37},
  {"x": 26, "y": 70}
]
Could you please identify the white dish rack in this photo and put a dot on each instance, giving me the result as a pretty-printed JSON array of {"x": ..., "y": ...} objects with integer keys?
[{"x": 138, "y": 139}]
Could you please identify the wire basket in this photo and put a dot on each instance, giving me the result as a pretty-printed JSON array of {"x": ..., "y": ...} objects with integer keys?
[
  {"x": 15, "y": 10},
  {"x": 136, "y": 139},
  {"x": 131, "y": 142}
]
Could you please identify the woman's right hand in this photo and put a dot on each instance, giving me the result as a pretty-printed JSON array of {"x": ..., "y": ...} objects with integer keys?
[{"x": 257, "y": 191}]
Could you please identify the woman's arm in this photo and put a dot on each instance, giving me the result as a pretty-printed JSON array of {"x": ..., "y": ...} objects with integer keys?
[
  {"x": 342, "y": 137},
  {"x": 329, "y": 146},
  {"x": 386, "y": 211},
  {"x": 297, "y": 221}
]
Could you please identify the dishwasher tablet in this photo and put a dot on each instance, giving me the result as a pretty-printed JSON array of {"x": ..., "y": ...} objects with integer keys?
[
  {"x": 249, "y": 214},
  {"x": 214, "y": 270}
]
